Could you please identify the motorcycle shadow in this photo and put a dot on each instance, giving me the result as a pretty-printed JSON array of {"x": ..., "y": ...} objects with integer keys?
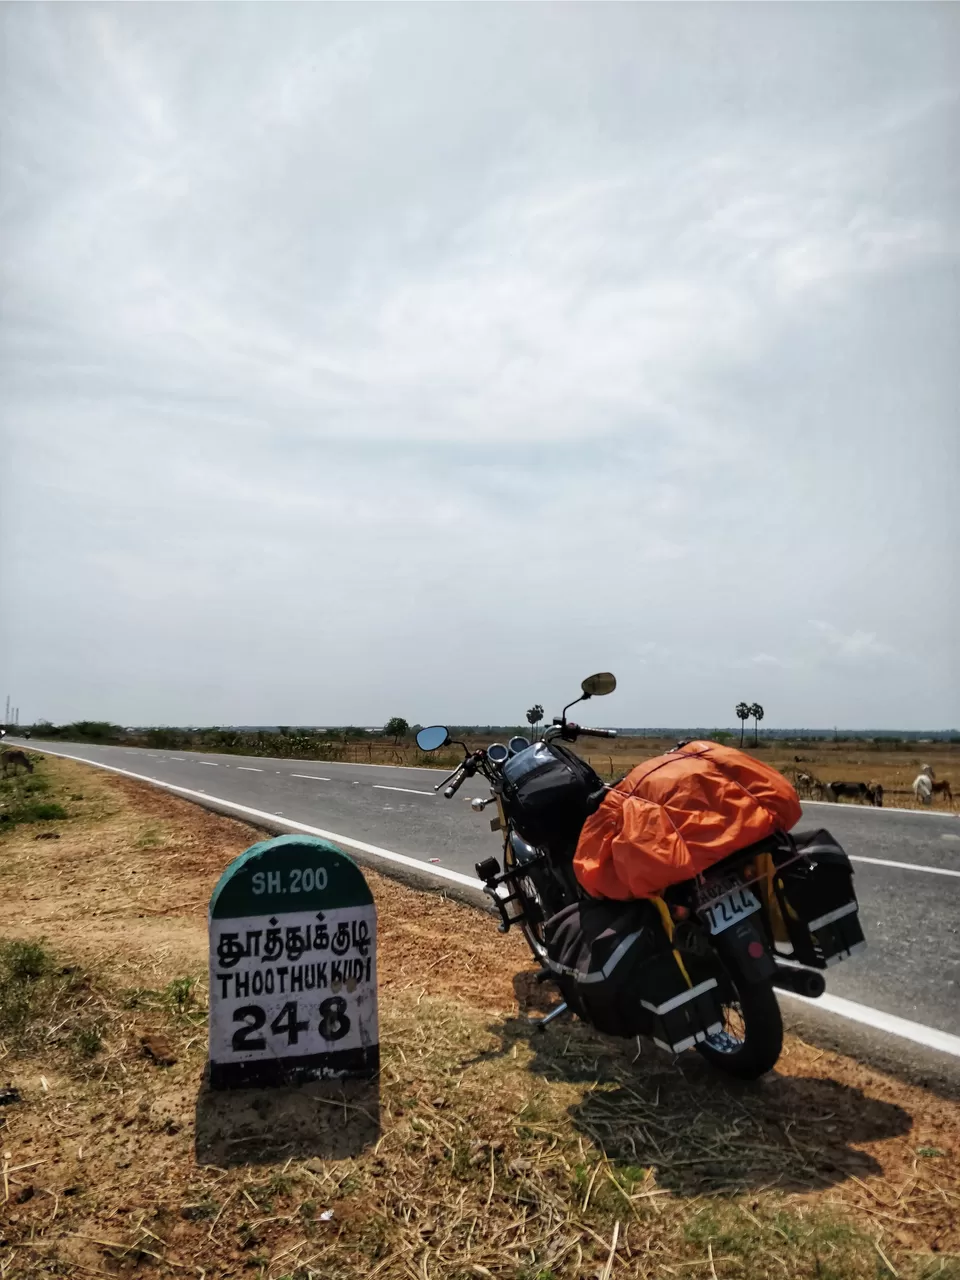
[{"x": 703, "y": 1132}]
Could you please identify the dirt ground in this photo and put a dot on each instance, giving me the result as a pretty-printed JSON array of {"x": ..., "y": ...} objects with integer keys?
[{"x": 483, "y": 1150}]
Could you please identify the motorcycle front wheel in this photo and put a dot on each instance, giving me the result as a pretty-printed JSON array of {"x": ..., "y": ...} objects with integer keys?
[
  {"x": 751, "y": 1038},
  {"x": 534, "y": 909}
]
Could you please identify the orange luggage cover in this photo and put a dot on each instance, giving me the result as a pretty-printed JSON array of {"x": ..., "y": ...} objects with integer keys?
[{"x": 675, "y": 815}]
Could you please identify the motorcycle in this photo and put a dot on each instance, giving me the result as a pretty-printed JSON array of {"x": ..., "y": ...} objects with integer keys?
[{"x": 770, "y": 916}]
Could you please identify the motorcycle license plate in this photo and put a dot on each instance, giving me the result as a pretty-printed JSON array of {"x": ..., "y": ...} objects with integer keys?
[{"x": 731, "y": 904}]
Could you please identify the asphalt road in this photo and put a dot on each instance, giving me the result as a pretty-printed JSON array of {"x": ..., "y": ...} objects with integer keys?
[{"x": 910, "y": 914}]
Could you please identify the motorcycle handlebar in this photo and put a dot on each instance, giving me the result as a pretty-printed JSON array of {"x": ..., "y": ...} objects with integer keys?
[
  {"x": 571, "y": 732},
  {"x": 455, "y": 785},
  {"x": 459, "y": 776}
]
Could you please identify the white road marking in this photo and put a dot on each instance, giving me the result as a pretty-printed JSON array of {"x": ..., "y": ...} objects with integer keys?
[
  {"x": 179, "y": 759},
  {"x": 929, "y": 1037},
  {"x": 917, "y": 1032},
  {"x": 212, "y": 763},
  {"x": 248, "y": 768},
  {"x": 408, "y": 790},
  {"x": 310, "y": 777},
  {"x": 887, "y": 808},
  {"x": 904, "y": 866}
]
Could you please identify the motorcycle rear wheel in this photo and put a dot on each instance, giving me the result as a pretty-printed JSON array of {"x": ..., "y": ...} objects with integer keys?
[{"x": 751, "y": 1039}]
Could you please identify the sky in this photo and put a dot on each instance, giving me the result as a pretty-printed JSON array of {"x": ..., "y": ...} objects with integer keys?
[{"x": 360, "y": 361}]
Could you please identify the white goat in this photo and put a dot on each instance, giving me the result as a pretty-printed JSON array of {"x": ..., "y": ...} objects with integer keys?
[{"x": 923, "y": 788}]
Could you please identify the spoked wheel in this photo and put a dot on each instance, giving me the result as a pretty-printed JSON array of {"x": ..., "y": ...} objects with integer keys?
[
  {"x": 533, "y": 926},
  {"x": 751, "y": 1038},
  {"x": 535, "y": 911}
]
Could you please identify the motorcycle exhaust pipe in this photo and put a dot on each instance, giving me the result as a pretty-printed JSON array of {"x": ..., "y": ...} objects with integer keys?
[{"x": 803, "y": 982}]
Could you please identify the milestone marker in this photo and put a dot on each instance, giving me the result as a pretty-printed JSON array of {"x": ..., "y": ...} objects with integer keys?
[{"x": 293, "y": 967}]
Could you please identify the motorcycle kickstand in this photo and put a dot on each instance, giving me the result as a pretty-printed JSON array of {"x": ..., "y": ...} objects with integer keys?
[{"x": 540, "y": 1023}]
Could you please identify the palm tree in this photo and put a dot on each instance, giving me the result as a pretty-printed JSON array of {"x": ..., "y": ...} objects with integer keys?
[
  {"x": 534, "y": 716},
  {"x": 757, "y": 712},
  {"x": 743, "y": 714}
]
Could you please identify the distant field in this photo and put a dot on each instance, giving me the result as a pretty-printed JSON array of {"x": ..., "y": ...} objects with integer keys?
[{"x": 894, "y": 767}]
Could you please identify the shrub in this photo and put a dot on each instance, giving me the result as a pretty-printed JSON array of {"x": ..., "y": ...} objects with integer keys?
[{"x": 43, "y": 811}]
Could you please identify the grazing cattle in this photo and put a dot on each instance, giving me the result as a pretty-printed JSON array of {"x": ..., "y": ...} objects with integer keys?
[
  {"x": 855, "y": 790},
  {"x": 875, "y": 792},
  {"x": 12, "y": 757},
  {"x": 923, "y": 788},
  {"x": 942, "y": 789},
  {"x": 809, "y": 785}
]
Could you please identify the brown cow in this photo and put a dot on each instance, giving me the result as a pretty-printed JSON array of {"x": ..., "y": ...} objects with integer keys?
[{"x": 12, "y": 756}]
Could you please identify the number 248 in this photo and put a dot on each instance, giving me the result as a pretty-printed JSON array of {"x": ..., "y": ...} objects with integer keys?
[{"x": 333, "y": 1025}]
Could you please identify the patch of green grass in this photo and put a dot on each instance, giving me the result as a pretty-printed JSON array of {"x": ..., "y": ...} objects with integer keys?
[
  {"x": 43, "y": 1003},
  {"x": 150, "y": 837},
  {"x": 836, "y": 1247},
  {"x": 180, "y": 993},
  {"x": 40, "y": 811},
  {"x": 280, "y": 1184},
  {"x": 88, "y": 1041},
  {"x": 179, "y": 998},
  {"x": 23, "y": 967},
  {"x": 199, "y": 1212},
  {"x": 142, "y": 998},
  {"x": 26, "y": 961},
  {"x": 20, "y": 801}
]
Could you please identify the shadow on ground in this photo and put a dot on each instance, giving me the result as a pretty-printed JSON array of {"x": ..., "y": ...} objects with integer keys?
[
  {"x": 332, "y": 1120},
  {"x": 701, "y": 1132}
]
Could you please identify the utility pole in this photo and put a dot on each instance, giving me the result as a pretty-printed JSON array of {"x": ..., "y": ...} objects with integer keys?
[{"x": 6, "y": 714}]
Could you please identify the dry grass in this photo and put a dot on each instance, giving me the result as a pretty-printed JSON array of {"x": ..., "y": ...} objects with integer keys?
[{"x": 486, "y": 1150}]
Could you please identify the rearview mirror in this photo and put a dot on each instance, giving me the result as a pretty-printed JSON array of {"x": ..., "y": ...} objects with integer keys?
[
  {"x": 433, "y": 737},
  {"x": 599, "y": 685}
]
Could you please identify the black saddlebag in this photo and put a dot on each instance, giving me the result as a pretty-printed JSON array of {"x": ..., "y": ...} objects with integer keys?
[
  {"x": 617, "y": 970},
  {"x": 548, "y": 794},
  {"x": 816, "y": 898}
]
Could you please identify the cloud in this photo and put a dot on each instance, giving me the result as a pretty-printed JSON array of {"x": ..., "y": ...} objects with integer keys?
[
  {"x": 766, "y": 660},
  {"x": 360, "y": 334},
  {"x": 856, "y": 644}
]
